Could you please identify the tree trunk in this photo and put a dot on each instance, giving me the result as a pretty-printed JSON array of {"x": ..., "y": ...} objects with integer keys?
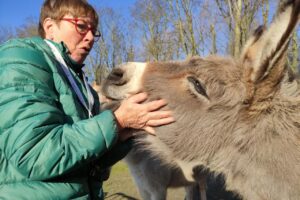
[
  {"x": 213, "y": 39},
  {"x": 237, "y": 27},
  {"x": 295, "y": 52},
  {"x": 265, "y": 11}
]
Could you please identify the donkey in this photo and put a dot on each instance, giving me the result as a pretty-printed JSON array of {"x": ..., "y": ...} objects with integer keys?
[{"x": 236, "y": 117}]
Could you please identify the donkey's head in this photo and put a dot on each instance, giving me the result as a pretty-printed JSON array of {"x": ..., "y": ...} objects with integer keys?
[{"x": 209, "y": 96}]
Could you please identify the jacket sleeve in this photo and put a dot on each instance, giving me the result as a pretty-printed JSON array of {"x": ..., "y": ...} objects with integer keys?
[{"x": 34, "y": 136}]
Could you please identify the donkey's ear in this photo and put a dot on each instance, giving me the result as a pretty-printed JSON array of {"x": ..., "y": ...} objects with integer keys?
[{"x": 264, "y": 54}]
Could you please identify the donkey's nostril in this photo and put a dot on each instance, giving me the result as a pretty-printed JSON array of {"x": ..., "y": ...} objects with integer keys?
[
  {"x": 117, "y": 76},
  {"x": 118, "y": 73}
]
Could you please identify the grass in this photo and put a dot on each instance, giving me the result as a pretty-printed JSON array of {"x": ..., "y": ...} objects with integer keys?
[{"x": 120, "y": 186}]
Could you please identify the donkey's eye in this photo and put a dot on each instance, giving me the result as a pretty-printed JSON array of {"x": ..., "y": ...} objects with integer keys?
[{"x": 198, "y": 86}]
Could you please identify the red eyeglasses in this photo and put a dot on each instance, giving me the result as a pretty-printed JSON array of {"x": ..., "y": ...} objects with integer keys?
[{"x": 82, "y": 27}]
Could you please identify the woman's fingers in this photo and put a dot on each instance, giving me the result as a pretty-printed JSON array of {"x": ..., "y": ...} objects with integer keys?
[
  {"x": 133, "y": 113},
  {"x": 138, "y": 98},
  {"x": 149, "y": 130},
  {"x": 159, "y": 114},
  {"x": 155, "y": 105},
  {"x": 151, "y": 106},
  {"x": 160, "y": 122}
]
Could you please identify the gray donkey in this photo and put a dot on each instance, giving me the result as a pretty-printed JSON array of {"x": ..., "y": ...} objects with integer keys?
[{"x": 235, "y": 117}]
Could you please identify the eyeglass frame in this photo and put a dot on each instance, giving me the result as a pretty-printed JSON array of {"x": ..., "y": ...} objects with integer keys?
[{"x": 96, "y": 33}]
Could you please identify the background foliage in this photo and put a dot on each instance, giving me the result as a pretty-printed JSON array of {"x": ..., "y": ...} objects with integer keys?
[{"x": 171, "y": 30}]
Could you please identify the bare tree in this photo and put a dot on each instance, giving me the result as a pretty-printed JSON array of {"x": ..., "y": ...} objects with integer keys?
[
  {"x": 240, "y": 18},
  {"x": 294, "y": 52},
  {"x": 187, "y": 6},
  {"x": 6, "y": 33},
  {"x": 28, "y": 29},
  {"x": 114, "y": 46},
  {"x": 213, "y": 39},
  {"x": 265, "y": 11},
  {"x": 155, "y": 32},
  {"x": 183, "y": 16}
]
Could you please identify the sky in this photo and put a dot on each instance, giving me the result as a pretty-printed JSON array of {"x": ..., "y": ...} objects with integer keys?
[{"x": 13, "y": 13}]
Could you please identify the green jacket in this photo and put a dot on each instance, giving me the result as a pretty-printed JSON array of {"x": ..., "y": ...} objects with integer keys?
[{"x": 48, "y": 146}]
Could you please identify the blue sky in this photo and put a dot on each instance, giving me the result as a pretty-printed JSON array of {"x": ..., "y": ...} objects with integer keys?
[{"x": 13, "y": 13}]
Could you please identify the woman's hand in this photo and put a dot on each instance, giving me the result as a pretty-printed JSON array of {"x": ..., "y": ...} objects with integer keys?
[{"x": 133, "y": 114}]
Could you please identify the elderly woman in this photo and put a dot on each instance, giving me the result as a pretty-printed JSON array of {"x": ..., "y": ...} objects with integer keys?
[{"x": 54, "y": 143}]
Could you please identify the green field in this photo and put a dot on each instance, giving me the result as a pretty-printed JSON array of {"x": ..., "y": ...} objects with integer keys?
[{"x": 120, "y": 186}]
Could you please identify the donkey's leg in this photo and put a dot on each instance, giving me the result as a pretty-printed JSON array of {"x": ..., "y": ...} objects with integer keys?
[
  {"x": 149, "y": 189},
  {"x": 202, "y": 188},
  {"x": 149, "y": 176},
  {"x": 192, "y": 192},
  {"x": 159, "y": 194},
  {"x": 151, "y": 186},
  {"x": 196, "y": 191}
]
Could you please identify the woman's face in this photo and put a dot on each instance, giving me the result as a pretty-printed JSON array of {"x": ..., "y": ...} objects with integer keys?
[{"x": 77, "y": 34}]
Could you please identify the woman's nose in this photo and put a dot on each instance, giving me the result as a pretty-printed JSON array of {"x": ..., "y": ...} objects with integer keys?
[{"x": 90, "y": 36}]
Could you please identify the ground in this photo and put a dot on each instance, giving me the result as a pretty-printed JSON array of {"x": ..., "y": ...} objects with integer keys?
[{"x": 120, "y": 186}]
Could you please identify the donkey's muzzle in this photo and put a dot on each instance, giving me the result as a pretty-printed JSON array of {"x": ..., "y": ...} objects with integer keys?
[{"x": 116, "y": 77}]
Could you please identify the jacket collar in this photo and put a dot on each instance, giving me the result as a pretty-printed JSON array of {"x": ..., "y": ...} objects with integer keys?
[{"x": 65, "y": 54}]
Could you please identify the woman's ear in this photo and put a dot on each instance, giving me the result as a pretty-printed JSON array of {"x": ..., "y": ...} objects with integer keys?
[{"x": 48, "y": 26}]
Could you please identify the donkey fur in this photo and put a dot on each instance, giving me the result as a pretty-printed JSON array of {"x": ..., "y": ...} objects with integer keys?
[{"x": 236, "y": 117}]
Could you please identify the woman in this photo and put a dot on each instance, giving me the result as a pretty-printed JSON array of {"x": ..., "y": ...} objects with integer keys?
[{"x": 54, "y": 144}]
